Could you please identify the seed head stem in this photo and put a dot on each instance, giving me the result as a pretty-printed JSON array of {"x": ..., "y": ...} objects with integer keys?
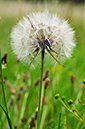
[{"x": 42, "y": 64}]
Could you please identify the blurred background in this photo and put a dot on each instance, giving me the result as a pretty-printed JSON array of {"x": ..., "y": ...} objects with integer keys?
[
  {"x": 48, "y": 0},
  {"x": 20, "y": 89}
]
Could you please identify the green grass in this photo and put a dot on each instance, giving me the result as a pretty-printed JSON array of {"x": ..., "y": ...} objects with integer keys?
[{"x": 61, "y": 77}]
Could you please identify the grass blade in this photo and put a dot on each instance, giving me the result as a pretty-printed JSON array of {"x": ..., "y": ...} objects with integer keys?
[{"x": 59, "y": 121}]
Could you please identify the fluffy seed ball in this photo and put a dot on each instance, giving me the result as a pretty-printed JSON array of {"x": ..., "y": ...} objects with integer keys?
[{"x": 42, "y": 30}]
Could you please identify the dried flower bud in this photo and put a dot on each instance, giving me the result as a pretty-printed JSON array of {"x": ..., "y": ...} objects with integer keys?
[
  {"x": 37, "y": 82},
  {"x": 36, "y": 114},
  {"x": 57, "y": 96},
  {"x": 24, "y": 78},
  {"x": 84, "y": 81},
  {"x": 70, "y": 102},
  {"x": 73, "y": 79},
  {"x": 27, "y": 88},
  {"x": 46, "y": 74},
  {"x": 4, "y": 59},
  {"x": 46, "y": 83},
  {"x": 32, "y": 123},
  {"x": 63, "y": 98},
  {"x": 19, "y": 96},
  {"x": 21, "y": 88},
  {"x": 24, "y": 119},
  {"x": 15, "y": 127},
  {"x": 79, "y": 100},
  {"x": 12, "y": 102}
]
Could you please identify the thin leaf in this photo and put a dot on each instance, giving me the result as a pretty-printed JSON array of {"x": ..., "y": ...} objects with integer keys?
[
  {"x": 9, "y": 121},
  {"x": 59, "y": 121}
]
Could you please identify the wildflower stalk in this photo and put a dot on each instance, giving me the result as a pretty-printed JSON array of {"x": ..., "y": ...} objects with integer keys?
[
  {"x": 65, "y": 105},
  {"x": 3, "y": 84},
  {"x": 5, "y": 110},
  {"x": 42, "y": 64},
  {"x": 79, "y": 114},
  {"x": 75, "y": 115},
  {"x": 43, "y": 103}
]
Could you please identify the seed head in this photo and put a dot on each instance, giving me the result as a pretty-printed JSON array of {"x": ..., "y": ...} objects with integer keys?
[
  {"x": 19, "y": 96},
  {"x": 24, "y": 119},
  {"x": 73, "y": 79},
  {"x": 4, "y": 59},
  {"x": 37, "y": 82},
  {"x": 15, "y": 127},
  {"x": 46, "y": 74},
  {"x": 32, "y": 123},
  {"x": 46, "y": 83},
  {"x": 36, "y": 114},
  {"x": 12, "y": 102},
  {"x": 40, "y": 31},
  {"x": 21, "y": 88},
  {"x": 79, "y": 101}
]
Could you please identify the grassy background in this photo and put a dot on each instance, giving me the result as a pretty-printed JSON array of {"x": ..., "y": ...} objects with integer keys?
[{"x": 11, "y": 13}]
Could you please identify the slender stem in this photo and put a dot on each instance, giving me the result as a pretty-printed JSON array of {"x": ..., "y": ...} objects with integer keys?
[
  {"x": 59, "y": 121},
  {"x": 75, "y": 115},
  {"x": 3, "y": 84},
  {"x": 6, "y": 112},
  {"x": 78, "y": 113},
  {"x": 42, "y": 63},
  {"x": 43, "y": 102}
]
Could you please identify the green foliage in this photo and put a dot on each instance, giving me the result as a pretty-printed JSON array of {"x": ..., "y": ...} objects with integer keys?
[{"x": 61, "y": 80}]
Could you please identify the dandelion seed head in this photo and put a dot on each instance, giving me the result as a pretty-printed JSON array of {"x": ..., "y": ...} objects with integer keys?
[{"x": 42, "y": 30}]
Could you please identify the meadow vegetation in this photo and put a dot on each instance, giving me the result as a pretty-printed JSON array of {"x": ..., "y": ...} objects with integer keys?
[{"x": 20, "y": 88}]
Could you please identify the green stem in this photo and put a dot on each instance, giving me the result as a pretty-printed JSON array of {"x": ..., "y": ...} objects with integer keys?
[
  {"x": 59, "y": 121},
  {"x": 65, "y": 105},
  {"x": 3, "y": 84},
  {"x": 43, "y": 102},
  {"x": 6, "y": 112},
  {"x": 42, "y": 63},
  {"x": 78, "y": 113},
  {"x": 75, "y": 115}
]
